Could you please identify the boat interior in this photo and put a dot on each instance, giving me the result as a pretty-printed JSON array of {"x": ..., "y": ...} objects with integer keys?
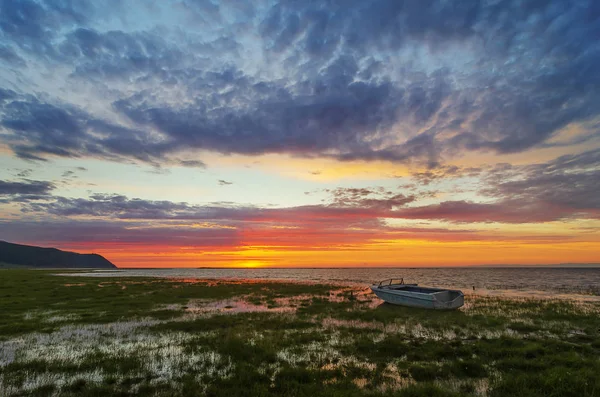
[{"x": 413, "y": 288}]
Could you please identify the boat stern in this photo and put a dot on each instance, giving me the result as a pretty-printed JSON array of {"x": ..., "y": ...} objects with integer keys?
[{"x": 449, "y": 300}]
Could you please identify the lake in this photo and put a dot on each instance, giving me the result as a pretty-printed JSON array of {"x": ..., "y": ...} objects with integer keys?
[{"x": 506, "y": 279}]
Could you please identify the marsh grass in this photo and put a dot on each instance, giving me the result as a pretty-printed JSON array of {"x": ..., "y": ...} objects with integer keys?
[{"x": 68, "y": 336}]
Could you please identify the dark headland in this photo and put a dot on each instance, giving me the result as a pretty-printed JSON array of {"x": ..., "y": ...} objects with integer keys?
[{"x": 17, "y": 255}]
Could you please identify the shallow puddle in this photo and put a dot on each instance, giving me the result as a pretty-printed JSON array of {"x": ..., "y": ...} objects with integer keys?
[
  {"x": 234, "y": 306},
  {"x": 247, "y": 304},
  {"x": 531, "y": 294}
]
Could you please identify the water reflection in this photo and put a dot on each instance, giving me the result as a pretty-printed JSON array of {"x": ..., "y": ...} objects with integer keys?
[
  {"x": 234, "y": 306},
  {"x": 540, "y": 283}
]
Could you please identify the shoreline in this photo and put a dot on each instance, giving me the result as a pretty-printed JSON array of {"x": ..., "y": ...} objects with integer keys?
[{"x": 517, "y": 293}]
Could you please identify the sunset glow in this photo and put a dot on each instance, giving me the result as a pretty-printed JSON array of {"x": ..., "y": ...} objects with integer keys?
[{"x": 281, "y": 134}]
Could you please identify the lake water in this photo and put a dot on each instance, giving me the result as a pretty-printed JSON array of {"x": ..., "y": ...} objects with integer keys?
[{"x": 525, "y": 280}]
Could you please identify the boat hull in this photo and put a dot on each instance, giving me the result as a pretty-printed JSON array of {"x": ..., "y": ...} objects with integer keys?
[{"x": 420, "y": 300}]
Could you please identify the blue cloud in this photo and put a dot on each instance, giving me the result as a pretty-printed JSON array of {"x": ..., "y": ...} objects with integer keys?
[
  {"x": 25, "y": 191},
  {"x": 8, "y": 55},
  {"x": 388, "y": 79}
]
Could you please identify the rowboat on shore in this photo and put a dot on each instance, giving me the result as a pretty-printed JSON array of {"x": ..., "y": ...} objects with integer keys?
[{"x": 396, "y": 292}]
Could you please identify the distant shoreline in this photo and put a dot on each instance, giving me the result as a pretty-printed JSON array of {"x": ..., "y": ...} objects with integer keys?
[{"x": 559, "y": 266}]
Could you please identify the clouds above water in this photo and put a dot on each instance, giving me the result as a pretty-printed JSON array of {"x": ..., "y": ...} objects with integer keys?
[
  {"x": 433, "y": 86},
  {"x": 562, "y": 189},
  {"x": 403, "y": 81}
]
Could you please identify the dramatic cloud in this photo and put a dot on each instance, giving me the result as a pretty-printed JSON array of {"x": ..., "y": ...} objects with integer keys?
[
  {"x": 118, "y": 206},
  {"x": 503, "y": 212},
  {"x": 39, "y": 129},
  {"x": 368, "y": 198},
  {"x": 24, "y": 191},
  {"x": 122, "y": 221},
  {"x": 28, "y": 187},
  {"x": 121, "y": 207},
  {"x": 74, "y": 232},
  {"x": 208, "y": 238},
  {"x": 485, "y": 107},
  {"x": 567, "y": 183},
  {"x": 559, "y": 189},
  {"x": 352, "y": 80}
]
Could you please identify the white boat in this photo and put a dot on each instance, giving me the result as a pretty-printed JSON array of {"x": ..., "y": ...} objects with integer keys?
[{"x": 396, "y": 292}]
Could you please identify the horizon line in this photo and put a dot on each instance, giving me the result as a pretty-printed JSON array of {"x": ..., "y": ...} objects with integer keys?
[{"x": 561, "y": 265}]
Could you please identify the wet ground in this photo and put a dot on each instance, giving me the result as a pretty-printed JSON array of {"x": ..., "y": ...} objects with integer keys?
[
  {"x": 566, "y": 280},
  {"x": 90, "y": 336}
]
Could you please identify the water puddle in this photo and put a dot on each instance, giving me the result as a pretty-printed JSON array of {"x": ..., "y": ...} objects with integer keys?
[
  {"x": 531, "y": 294},
  {"x": 253, "y": 303},
  {"x": 234, "y": 306}
]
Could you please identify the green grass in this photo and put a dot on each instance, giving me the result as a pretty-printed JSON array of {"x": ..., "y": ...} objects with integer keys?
[
  {"x": 83, "y": 336},
  {"x": 102, "y": 300}
]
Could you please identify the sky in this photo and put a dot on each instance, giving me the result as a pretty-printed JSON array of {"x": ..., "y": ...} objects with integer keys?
[{"x": 197, "y": 133}]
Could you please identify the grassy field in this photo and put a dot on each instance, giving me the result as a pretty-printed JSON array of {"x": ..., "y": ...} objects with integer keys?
[{"x": 84, "y": 336}]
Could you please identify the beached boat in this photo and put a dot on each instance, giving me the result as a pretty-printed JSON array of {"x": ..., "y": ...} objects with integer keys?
[{"x": 396, "y": 292}]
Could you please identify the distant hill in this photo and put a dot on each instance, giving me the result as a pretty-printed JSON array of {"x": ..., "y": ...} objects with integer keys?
[{"x": 17, "y": 255}]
